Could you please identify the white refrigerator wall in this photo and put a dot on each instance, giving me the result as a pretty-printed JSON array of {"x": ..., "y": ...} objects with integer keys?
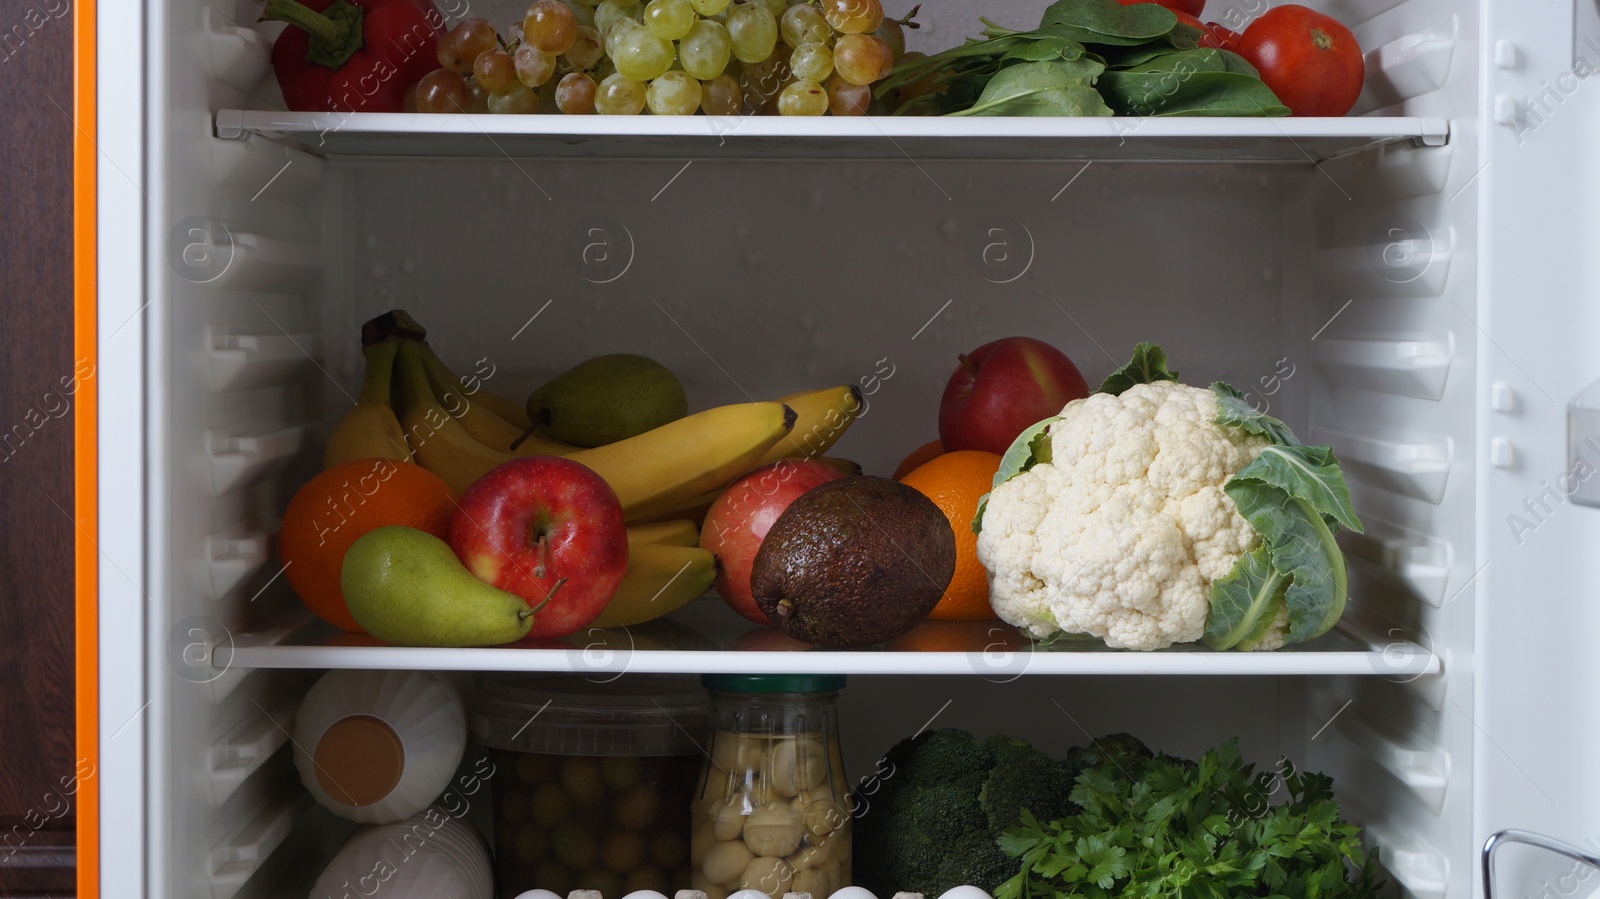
[
  {"x": 1537, "y": 666},
  {"x": 1345, "y": 295}
]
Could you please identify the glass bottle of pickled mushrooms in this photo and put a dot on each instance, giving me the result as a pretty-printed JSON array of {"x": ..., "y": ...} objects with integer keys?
[{"x": 771, "y": 811}]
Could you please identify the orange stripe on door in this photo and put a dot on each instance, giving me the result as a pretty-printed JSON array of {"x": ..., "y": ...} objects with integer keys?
[{"x": 85, "y": 448}]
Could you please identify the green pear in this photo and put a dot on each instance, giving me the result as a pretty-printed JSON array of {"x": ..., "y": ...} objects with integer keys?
[
  {"x": 606, "y": 399},
  {"x": 406, "y": 586}
]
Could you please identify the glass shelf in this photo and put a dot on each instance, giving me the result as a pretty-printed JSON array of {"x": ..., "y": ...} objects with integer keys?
[
  {"x": 1190, "y": 139},
  {"x": 707, "y": 637}
]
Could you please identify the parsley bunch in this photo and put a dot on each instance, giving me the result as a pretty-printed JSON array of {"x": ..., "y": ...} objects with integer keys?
[{"x": 1207, "y": 830}]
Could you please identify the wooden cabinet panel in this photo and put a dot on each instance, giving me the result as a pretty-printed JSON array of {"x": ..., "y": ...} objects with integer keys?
[{"x": 37, "y": 766}]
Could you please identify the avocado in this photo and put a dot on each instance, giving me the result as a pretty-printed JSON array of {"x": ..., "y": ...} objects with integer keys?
[{"x": 854, "y": 562}]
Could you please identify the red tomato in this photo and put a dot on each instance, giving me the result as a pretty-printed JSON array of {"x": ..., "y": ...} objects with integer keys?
[
  {"x": 1192, "y": 22},
  {"x": 1192, "y": 7},
  {"x": 1308, "y": 59},
  {"x": 1220, "y": 37}
]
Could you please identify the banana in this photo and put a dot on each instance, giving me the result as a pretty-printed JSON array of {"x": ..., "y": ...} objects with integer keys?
[
  {"x": 506, "y": 410},
  {"x": 693, "y": 509},
  {"x": 659, "y": 580},
  {"x": 370, "y": 430},
  {"x": 673, "y": 532},
  {"x": 821, "y": 418},
  {"x": 439, "y": 441},
  {"x": 479, "y": 419},
  {"x": 661, "y": 468}
]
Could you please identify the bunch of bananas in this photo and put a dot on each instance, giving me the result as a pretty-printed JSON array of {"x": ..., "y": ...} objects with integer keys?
[{"x": 665, "y": 478}]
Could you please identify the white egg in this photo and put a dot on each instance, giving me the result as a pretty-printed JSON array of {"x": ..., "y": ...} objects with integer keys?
[
  {"x": 538, "y": 894},
  {"x": 853, "y": 893},
  {"x": 644, "y": 894},
  {"x": 964, "y": 892},
  {"x": 749, "y": 894}
]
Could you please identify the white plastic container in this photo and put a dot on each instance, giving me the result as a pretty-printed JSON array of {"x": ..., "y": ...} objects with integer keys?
[
  {"x": 426, "y": 856},
  {"x": 380, "y": 746}
]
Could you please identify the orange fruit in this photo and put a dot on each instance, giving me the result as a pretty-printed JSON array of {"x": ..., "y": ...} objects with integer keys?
[
  {"x": 955, "y": 482},
  {"x": 337, "y": 507},
  {"x": 960, "y": 636},
  {"x": 917, "y": 457}
]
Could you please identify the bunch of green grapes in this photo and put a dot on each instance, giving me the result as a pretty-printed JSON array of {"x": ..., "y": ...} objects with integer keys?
[
  {"x": 829, "y": 54},
  {"x": 482, "y": 70},
  {"x": 672, "y": 57}
]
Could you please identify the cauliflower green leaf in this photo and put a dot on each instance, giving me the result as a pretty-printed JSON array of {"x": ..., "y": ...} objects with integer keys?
[
  {"x": 1294, "y": 496},
  {"x": 1308, "y": 472},
  {"x": 1301, "y": 547},
  {"x": 1148, "y": 365},
  {"x": 1244, "y": 602},
  {"x": 1234, "y": 411}
]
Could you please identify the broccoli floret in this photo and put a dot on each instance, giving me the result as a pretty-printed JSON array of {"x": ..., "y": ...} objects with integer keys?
[
  {"x": 941, "y": 801},
  {"x": 977, "y": 862},
  {"x": 948, "y": 757},
  {"x": 1024, "y": 778},
  {"x": 1119, "y": 750},
  {"x": 944, "y": 813}
]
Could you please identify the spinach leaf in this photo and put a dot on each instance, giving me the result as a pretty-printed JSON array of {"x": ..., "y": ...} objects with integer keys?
[
  {"x": 1057, "y": 87},
  {"x": 1202, "y": 81},
  {"x": 1149, "y": 364},
  {"x": 1108, "y": 22},
  {"x": 1185, "y": 36},
  {"x": 1152, "y": 66},
  {"x": 1119, "y": 58},
  {"x": 956, "y": 59},
  {"x": 1047, "y": 47},
  {"x": 963, "y": 91}
]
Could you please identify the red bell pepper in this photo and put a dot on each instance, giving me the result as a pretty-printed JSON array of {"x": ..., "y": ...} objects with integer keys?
[{"x": 353, "y": 55}]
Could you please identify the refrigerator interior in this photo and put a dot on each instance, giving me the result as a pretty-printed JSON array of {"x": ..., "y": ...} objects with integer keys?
[{"x": 1334, "y": 289}]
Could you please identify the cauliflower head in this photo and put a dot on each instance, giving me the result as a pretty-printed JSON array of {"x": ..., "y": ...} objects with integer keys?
[{"x": 1121, "y": 533}]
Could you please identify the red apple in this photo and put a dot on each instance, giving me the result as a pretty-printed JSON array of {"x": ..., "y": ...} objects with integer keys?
[
  {"x": 1001, "y": 388},
  {"x": 544, "y": 527},
  {"x": 739, "y": 520}
]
